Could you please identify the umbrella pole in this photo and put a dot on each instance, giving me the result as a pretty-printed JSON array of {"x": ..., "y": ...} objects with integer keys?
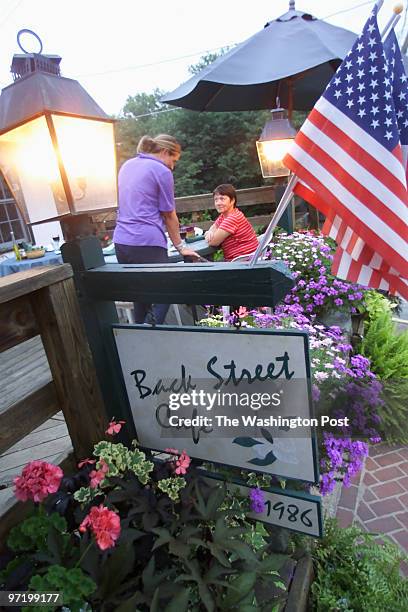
[{"x": 283, "y": 204}]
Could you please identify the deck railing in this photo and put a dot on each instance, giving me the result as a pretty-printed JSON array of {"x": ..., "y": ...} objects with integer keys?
[
  {"x": 42, "y": 301},
  {"x": 196, "y": 204}
]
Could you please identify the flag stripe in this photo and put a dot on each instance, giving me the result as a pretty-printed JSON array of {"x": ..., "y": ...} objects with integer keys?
[
  {"x": 311, "y": 196},
  {"x": 336, "y": 172},
  {"x": 345, "y": 267},
  {"x": 383, "y": 238},
  {"x": 363, "y": 142},
  {"x": 357, "y": 162}
]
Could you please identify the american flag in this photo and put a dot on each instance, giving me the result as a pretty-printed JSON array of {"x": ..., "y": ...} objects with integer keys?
[{"x": 350, "y": 162}]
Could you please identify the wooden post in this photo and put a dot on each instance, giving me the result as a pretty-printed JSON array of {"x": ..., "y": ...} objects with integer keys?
[
  {"x": 98, "y": 316},
  {"x": 58, "y": 319}
]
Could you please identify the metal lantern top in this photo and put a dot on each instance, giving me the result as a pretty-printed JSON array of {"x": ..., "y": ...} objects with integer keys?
[
  {"x": 57, "y": 146},
  {"x": 278, "y": 127},
  {"x": 38, "y": 88}
]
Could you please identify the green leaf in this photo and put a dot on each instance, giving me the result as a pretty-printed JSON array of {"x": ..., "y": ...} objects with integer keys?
[
  {"x": 220, "y": 555},
  {"x": 239, "y": 589},
  {"x": 155, "y": 604},
  {"x": 215, "y": 500},
  {"x": 272, "y": 562},
  {"x": 148, "y": 575},
  {"x": 179, "y": 549},
  {"x": 165, "y": 537},
  {"x": 129, "y": 604},
  {"x": 118, "y": 565},
  {"x": 179, "y": 603}
]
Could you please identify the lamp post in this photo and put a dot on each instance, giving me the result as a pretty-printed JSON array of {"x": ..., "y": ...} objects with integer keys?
[
  {"x": 57, "y": 148},
  {"x": 272, "y": 146}
]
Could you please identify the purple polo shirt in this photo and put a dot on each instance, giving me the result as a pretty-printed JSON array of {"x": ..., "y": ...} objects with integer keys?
[{"x": 146, "y": 188}]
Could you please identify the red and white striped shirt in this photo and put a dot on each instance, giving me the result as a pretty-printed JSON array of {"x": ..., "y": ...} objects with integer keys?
[{"x": 242, "y": 240}]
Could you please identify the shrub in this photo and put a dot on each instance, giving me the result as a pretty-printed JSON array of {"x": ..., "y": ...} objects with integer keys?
[
  {"x": 354, "y": 572},
  {"x": 388, "y": 354}
]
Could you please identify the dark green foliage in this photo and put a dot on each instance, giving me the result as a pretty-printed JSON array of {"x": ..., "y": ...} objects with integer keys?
[
  {"x": 193, "y": 553},
  {"x": 217, "y": 147},
  {"x": 73, "y": 583},
  {"x": 387, "y": 351},
  {"x": 355, "y": 573}
]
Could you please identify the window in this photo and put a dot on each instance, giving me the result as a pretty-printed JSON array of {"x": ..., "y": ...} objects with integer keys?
[{"x": 10, "y": 218}]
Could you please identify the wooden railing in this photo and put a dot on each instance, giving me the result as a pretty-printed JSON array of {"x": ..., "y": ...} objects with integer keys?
[
  {"x": 43, "y": 301},
  {"x": 197, "y": 204}
]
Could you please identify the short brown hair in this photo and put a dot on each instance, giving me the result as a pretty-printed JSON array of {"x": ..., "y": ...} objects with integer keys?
[
  {"x": 228, "y": 190},
  {"x": 162, "y": 142}
]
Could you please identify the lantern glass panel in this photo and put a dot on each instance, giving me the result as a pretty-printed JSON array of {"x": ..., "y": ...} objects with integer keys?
[
  {"x": 29, "y": 165},
  {"x": 87, "y": 149},
  {"x": 271, "y": 154}
]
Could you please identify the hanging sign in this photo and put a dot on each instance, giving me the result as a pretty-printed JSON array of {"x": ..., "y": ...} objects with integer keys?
[{"x": 238, "y": 398}]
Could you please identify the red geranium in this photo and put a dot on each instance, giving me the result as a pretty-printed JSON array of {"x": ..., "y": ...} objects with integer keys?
[
  {"x": 38, "y": 479},
  {"x": 104, "y": 524}
]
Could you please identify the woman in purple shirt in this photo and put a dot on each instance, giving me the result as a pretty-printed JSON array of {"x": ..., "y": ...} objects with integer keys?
[{"x": 147, "y": 209}]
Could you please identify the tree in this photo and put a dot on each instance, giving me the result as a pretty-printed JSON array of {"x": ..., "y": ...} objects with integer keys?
[{"x": 217, "y": 147}]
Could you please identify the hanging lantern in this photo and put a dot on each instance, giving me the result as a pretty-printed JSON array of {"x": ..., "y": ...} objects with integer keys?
[
  {"x": 276, "y": 138},
  {"x": 57, "y": 148}
]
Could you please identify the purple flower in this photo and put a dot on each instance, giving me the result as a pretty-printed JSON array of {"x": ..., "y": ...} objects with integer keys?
[
  {"x": 257, "y": 501},
  {"x": 344, "y": 348}
]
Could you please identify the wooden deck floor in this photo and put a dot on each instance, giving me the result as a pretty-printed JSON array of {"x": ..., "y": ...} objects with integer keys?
[{"x": 23, "y": 369}]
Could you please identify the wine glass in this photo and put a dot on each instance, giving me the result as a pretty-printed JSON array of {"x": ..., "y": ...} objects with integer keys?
[{"x": 56, "y": 244}]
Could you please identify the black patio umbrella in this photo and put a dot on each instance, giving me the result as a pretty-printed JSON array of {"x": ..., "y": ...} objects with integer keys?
[{"x": 292, "y": 58}]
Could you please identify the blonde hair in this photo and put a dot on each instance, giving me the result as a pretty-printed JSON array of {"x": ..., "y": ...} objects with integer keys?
[{"x": 162, "y": 142}]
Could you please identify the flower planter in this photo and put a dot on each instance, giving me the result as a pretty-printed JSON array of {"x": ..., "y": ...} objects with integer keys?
[{"x": 338, "y": 318}]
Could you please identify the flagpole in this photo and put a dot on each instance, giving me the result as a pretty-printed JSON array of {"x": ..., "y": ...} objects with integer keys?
[
  {"x": 393, "y": 20},
  {"x": 284, "y": 201}
]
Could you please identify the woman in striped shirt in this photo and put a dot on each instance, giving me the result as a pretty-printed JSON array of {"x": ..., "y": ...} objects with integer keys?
[{"x": 231, "y": 230}]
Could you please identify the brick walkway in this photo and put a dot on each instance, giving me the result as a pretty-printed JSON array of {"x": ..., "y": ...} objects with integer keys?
[{"x": 377, "y": 500}]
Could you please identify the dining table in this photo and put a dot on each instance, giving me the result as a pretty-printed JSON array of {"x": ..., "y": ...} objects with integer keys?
[{"x": 10, "y": 265}]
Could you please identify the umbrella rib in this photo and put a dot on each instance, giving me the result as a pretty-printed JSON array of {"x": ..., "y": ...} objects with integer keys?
[{"x": 214, "y": 96}]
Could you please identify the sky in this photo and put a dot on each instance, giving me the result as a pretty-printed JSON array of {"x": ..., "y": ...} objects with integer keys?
[{"x": 120, "y": 48}]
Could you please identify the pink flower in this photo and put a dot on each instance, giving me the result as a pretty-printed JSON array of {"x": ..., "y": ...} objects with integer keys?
[
  {"x": 38, "y": 479},
  {"x": 182, "y": 463},
  {"x": 114, "y": 427},
  {"x": 242, "y": 312},
  {"x": 104, "y": 524},
  {"x": 86, "y": 462},
  {"x": 97, "y": 476}
]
